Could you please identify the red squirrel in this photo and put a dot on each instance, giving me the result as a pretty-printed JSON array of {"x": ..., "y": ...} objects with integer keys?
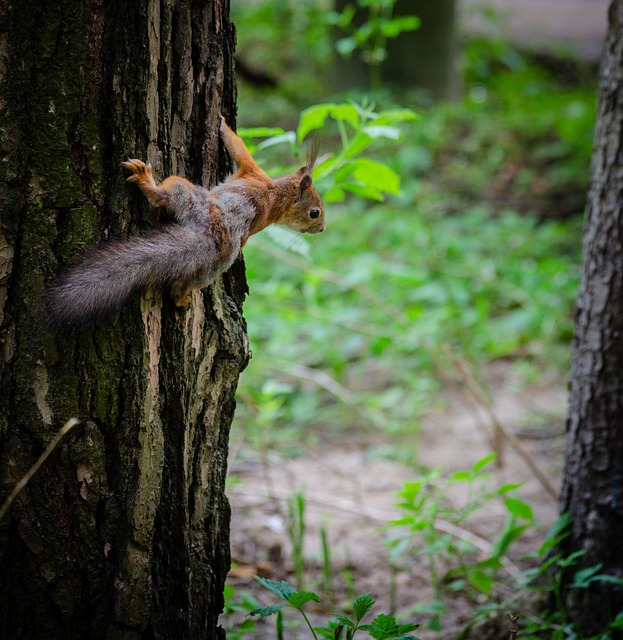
[{"x": 212, "y": 226}]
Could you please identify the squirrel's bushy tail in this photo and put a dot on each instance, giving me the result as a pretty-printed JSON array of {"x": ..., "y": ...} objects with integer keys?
[{"x": 111, "y": 273}]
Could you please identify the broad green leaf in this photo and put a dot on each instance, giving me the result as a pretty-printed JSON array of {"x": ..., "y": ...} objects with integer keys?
[
  {"x": 346, "y": 112},
  {"x": 519, "y": 508},
  {"x": 362, "y": 604},
  {"x": 288, "y": 137},
  {"x": 312, "y": 118},
  {"x": 371, "y": 174},
  {"x": 289, "y": 240},
  {"x": 357, "y": 145},
  {"x": 333, "y": 194},
  {"x": 299, "y": 598},
  {"x": 267, "y": 611},
  {"x": 368, "y": 193},
  {"x": 481, "y": 580},
  {"x": 382, "y": 627},
  {"x": 315, "y": 116},
  {"x": 281, "y": 589}
]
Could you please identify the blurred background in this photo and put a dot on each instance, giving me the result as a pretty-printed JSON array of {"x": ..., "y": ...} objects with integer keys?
[{"x": 431, "y": 324}]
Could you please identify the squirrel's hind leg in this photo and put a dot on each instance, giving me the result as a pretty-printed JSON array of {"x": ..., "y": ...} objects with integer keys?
[{"x": 181, "y": 293}]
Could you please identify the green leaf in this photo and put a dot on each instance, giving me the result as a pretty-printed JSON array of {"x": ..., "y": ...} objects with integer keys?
[
  {"x": 267, "y": 611},
  {"x": 460, "y": 476},
  {"x": 483, "y": 462},
  {"x": 333, "y": 194},
  {"x": 344, "y": 620},
  {"x": 299, "y": 598},
  {"x": 371, "y": 174},
  {"x": 395, "y": 115},
  {"x": 507, "y": 537},
  {"x": 312, "y": 118},
  {"x": 481, "y": 580},
  {"x": 281, "y": 589},
  {"x": 362, "y": 604},
  {"x": 367, "y": 193},
  {"x": 382, "y": 131},
  {"x": 260, "y": 132},
  {"x": 382, "y": 627},
  {"x": 288, "y": 137},
  {"x": 505, "y": 488},
  {"x": 519, "y": 508},
  {"x": 394, "y": 27}
]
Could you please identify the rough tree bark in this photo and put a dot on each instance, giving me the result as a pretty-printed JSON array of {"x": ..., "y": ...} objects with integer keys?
[
  {"x": 124, "y": 531},
  {"x": 593, "y": 475}
]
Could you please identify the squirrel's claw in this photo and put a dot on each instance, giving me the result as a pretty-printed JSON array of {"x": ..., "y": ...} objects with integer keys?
[{"x": 141, "y": 171}]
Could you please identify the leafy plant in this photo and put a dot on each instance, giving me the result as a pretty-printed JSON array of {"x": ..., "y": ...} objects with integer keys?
[
  {"x": 236, "y": 602},
  {"x": 434, "y": 529},
  {"x": 547, "y": 579},
  {"x": 359, "y": 126},
  {"x": 383, "y": 627}
]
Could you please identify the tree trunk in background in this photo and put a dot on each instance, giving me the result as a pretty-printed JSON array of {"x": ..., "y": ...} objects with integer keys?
[
  {"x": 420, "y": 59},
  {"x": 425, "y": 58},
  {"x": 124, "y": 532},
  {"x": 593, "y": 475}
]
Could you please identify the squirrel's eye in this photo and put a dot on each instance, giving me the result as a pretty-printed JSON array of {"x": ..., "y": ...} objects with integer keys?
[{"x": 314, "y": 213}]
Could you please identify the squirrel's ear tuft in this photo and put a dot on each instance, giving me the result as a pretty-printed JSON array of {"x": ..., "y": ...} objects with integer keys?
[
  {"x": 312, "y": 154},
  {"x": 305, "y": 182}
]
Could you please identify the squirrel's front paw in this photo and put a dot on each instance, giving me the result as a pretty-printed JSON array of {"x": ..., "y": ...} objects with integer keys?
[{"x": 141, "y": 171}]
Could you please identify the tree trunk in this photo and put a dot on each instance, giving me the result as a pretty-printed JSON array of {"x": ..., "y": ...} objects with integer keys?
[
  {"x": 593, "y": 475},
  {"x": 123, "y": 533}
]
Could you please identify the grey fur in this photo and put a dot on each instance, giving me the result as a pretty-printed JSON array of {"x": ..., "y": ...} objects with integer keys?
[{"x": 113, "y": 272}]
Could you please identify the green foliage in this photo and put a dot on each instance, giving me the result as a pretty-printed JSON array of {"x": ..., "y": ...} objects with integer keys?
[
  {"x": 238, "y": 603},
  {"x": 553, "y": 564},
  {"x": 359, "y": 126},
  {"x": 436, "y": 529},
  {"x": 383, "y": 627},
  {"x": 369, "y": 37}
]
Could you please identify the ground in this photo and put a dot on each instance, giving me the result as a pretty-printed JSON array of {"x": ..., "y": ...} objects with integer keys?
[{"x": 350, "y": 489}]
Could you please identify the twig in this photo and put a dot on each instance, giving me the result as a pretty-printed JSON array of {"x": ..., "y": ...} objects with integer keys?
[
  {"x": 485, "y": 403},
  {"x": 66, "y": 428},
  {"x": 514, "y": 627}
]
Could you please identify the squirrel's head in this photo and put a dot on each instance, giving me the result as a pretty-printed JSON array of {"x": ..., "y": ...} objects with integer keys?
[{"x": 305, "y": 212}]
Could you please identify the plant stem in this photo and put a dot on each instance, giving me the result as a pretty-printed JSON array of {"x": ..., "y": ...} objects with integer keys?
[{"x": 308, "y": 624}]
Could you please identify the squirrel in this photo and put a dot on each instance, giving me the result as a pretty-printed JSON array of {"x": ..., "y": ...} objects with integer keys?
[{"x": 211, "y": 228}]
